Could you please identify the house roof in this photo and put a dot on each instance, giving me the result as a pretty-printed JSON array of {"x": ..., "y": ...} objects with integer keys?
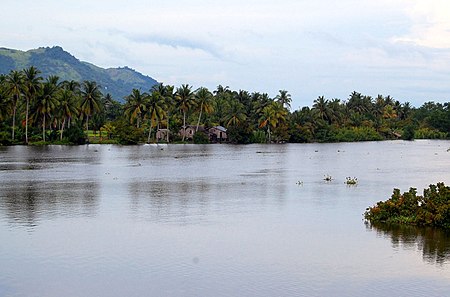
[{"x": 220, "y": 128}]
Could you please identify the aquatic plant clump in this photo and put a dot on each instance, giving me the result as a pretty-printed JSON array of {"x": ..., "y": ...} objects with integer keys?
[
  {"x": 351, "y": 181},
  {"x": 431, "y": 209}
]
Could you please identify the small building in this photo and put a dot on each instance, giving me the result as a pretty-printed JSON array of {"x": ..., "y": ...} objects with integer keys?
[
  {"x": 218, "y": 134},
  {"x": 162, "y": 134},
  {"x": 190, "y": 130}
]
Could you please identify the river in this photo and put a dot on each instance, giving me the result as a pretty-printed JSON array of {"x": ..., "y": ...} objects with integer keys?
[{"x": 217, "y": 220}]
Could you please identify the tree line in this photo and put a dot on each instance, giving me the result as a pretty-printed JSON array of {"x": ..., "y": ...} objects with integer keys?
[{"x": 38, "y": 110}]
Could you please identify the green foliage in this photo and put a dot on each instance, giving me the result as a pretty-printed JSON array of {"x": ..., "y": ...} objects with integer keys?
[
  {"x": 75, "y": 135},
  {"x": 408, "y": 133},
  {"x": 431, "y": 209},
  {"x": 127, "y": 134},
  {"x": 357, "y": 134},
  {"x": 200, "y": 138},
  {"x": 428, "y": 133},
  {"x": 258, "y": 137}
]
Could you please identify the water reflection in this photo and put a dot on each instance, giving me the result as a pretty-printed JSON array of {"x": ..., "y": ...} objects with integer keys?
[
  {"x": 433, "y": 242},
  {"x": 28, "y": 202}
]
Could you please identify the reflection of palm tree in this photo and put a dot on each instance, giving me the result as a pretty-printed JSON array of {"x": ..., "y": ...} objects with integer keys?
[
  {"x": 135, "y": 106},
  {"x": 31, "y": 84},
  {"x": 185, "y": 100},
  {"x": 14, "y": 82},
  {"x": 91, "y": 100},
  {"x": 204, "y": 102}
]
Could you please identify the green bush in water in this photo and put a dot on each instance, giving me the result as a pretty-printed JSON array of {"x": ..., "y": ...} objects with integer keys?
[{"x": 431, "y": 209}]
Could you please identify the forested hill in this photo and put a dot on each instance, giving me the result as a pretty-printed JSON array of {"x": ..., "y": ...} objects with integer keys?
[{"x": 119, "y": 82}]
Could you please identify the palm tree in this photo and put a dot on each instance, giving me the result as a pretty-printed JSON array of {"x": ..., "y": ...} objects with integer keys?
[
  {"x": 321, "y": 108},
  {"x": 68, "y": 107},
  {"x": 155, "y": 110},
  {"x": 284, "y": 98},
  {"x": 46, "y": 102},
  {"x": 91, "y": 100},
  {"x": 185, "y": 101},
  {"x": 204, "y": 102},
  {"x": 135, "y": 106},
  {"x": 32, "y": 82},
  {"x": 4, "y": 103},
  {"x": 272, "y": 114},
  {"x": 14, "y": 83},
  {"x": 235, "y": 113}
]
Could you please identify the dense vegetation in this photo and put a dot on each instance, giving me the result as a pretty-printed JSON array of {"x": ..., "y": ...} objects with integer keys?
[
  {"x": 431, "y": 209},
  {"x": 38, "y": 110}
]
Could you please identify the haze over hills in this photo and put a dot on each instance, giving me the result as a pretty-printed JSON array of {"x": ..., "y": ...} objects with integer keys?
[{"x": 119, "y": 82}]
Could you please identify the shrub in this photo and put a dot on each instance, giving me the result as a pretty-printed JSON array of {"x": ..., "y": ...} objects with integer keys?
[
  {"x": 200, "y": 138},
  {"x": 431, "y": 209}
]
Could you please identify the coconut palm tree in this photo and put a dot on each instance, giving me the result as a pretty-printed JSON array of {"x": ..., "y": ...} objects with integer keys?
[
  {"x": 46, "y": 102},
  {"x": 321, "y": 108},
  {"x": 32, "y": 82},
  {"x": 284, "y": 98},
  {"x": 204, "y": 102},
  {"x": 184, "y": 98},
  {"x": 235, "y": 114},
  {"x": 135, "y": 106},
  {"x": 272, "y": 115},
  {"x": 68, "y": 107},
  {"x": 14, "y": 85},
  {"x": 90, "y": 100},
  {"x": 155, "y": 110}
]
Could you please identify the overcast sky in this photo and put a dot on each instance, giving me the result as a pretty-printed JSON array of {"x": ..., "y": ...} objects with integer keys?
[{"x": 310, "y": 48}]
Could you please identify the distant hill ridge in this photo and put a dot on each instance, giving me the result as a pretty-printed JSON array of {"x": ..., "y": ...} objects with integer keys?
[{"x": 119, "y": 82}]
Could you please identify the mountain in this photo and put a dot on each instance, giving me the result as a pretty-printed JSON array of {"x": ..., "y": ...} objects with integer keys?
[{"x": 119, "y": 82}]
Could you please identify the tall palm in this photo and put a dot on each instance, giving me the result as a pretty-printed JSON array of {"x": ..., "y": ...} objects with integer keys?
[
  {"x": 90, "y": 100},
  {"x": 272, "y": 115},
  {"x": 68, "y": 107},
  {"x": 46, "y": 102},
  {"x": 32, "y": 82},
  {"x": 321, "y": 108},
  {"x": 204, "y": 102},
  {"x": 284, "y": 98},
  {"x": 4, "y": 103},
  {"x": 14, "y": 83},
  {"x": 235, "y": 114},
  {"x": 135, "y": 106},
  {"x": 184, "y": 98},
  {"x": 155, "y": 110}
]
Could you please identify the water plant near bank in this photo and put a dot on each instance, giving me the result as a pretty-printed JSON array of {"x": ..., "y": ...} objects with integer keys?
[{"x": 430, "y": 209}]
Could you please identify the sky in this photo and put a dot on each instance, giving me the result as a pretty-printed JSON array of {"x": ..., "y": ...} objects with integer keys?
[{"x": 309, "y": 48}]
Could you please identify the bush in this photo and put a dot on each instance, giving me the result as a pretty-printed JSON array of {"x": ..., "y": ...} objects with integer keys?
[
  {"x": 200, "y": 138},
  {"x": 75, "y": 134},
  {"x": 431, "y": 209}
]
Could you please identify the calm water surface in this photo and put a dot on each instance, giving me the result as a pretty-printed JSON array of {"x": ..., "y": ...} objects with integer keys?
[{"x": 216, "y": 220}]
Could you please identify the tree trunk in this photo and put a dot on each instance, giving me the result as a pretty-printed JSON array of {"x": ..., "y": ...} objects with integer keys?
[
  {"x": 168, "y": 127},
  {"x": 14, "y": 122},
  {"x": 149, "y": 132},
  {"x": 26, "y": 122},
  {"x": 43, "y": 129},
  {"x": 184, "y": 125},
  {"x": 199, "y": 117},
  {"x": 62, "y": 129}
]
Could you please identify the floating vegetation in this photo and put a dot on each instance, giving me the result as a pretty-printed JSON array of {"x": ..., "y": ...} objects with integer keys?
[
  {"x": 327, "y": 178},
  {"x": 431, "y": 209},
  {"x": 351, "y": 181},
  {"x": 299, "y": 183}
]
